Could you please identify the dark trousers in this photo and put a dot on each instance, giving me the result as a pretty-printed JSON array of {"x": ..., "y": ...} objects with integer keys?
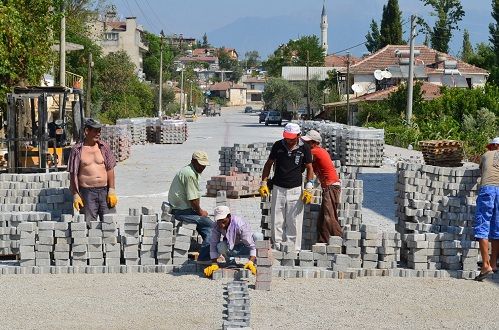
[
  {"x": 203, "y": 224},
  {"x": 94, "y": 203},
  {"x": 327, "y": 223}
]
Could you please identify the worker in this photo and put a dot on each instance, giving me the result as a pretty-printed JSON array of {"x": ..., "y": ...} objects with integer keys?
[
  {"x": 184, "y": 197},
  {"x": 327, "y": 222},
  {"x": 290, "y": 156},
  {"x": 237, "y": 240},
  {"x": 92, "y": 181},
  {"x": 486, "y": 224}
]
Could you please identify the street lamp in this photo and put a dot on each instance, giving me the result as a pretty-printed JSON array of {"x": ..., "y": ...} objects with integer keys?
[
  {"x": 181, "y": 68},
  {"x": 160, "y": 105}
]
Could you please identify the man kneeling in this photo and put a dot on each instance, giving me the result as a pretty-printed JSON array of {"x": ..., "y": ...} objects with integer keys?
[{"x": 237, "y": 240}]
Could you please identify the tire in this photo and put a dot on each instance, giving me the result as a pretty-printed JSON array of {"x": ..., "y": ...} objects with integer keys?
[
  {"x": 280, "y": 123},
  {"x": 266, "y": 124}
]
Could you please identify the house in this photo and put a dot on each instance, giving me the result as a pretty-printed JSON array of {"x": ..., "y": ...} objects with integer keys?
[
  {"x": 391, "y": 66},
  {"x": 234, "y": 93},
  {"x": 254, "y": 89},
  {"x": 179, "y": 41},
  {"x": 113, "y": 35},
  {"x": 339, "y": 62}
]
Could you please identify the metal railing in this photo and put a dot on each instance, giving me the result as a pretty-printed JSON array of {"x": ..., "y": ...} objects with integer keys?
[{"x": 74, "y": 80}]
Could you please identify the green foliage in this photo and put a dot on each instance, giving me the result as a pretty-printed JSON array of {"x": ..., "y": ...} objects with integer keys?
[
  {"x": 478, "y": 129},
  {"x": 205, "y": 43},
  {"x": 373, "y": 38},
  {"x": 494, "y": 29},
  {"x": 279, "y": 93},
  {"x": 251, "y": 59},
  {"x": 449, "y": 13},
  {"x": 467, "y": 50},
  {"x": 151, "y": 59},
  {"x": 295, "y": 53},
  {"x": 391, "y": 25},
  {"x": 229, "y": 64}
]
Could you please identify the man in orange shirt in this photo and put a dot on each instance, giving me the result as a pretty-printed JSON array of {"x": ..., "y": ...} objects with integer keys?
[{"x": 327, "y": 223}]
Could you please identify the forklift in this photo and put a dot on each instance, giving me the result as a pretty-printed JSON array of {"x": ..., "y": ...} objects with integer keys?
[{"x": 39, "y": 135}]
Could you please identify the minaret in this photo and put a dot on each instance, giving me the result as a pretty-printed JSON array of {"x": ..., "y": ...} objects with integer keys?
[{"x": 324, "y": 28}]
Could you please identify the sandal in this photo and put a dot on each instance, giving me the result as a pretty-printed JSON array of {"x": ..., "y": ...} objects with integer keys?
[{"x": 480, "y": 277}]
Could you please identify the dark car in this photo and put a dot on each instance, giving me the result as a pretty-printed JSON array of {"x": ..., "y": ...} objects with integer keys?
[
  {"x": 248, "y": 110},
  {"x": 262, "y": 116},
  {"x": 273, "y": 117}
]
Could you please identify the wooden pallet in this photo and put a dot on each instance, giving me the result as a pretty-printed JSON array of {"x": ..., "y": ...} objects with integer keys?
[{"x": 447, "y": 153}]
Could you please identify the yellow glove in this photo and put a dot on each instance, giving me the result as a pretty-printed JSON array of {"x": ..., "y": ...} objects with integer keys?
[
  {"x": 307, "y": 196},
  {"x": 77, "y": 202},
  {"x": 264, "y": 190},
  {"x": 111, "y": 199},
  {"x": 208, "y": 271},
  {"x": 251, "y": 266}
]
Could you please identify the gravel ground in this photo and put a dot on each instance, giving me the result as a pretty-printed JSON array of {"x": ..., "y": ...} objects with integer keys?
[{"x": 118, "y": 301}]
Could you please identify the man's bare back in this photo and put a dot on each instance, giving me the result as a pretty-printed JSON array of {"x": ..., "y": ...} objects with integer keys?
[{"x": 92, "y": 172}]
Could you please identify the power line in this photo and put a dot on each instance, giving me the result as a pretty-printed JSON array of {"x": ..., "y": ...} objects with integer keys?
[
  {"x": 145, "y": 17},
  {"x": 343, "y": 50},
  {"x": 128, "y": 7},
  {"x": 158, "y": 19}
]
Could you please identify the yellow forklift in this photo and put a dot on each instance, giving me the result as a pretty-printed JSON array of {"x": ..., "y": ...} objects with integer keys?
[{"x": 42, "y": 124}]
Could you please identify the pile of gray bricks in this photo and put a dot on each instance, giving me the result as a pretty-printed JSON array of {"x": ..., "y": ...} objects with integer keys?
[
  {"x": 171, "y": 132},
  {"x": 130, "y": 238},
  {"x": 183, "y": 234},
  {"x": 136, "y": 128},
  {"x": 435, "y": 211},
  {"x": 235, "y": 185},
  {"x": 237, "y": 312},
  {"x": 148, "y": 245},
  {"x": 164, "y": 243},
  {"x": 264, "y": 265},
  {"x": 119, "y": 139}
]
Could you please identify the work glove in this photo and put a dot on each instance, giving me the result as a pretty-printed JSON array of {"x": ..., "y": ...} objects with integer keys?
[
  {"x": 307, "y": 194},
  {"x": 264, "y": 190},
  {"x": 111, "y": 199},
  {"x": 208, "y": 271},
  {"x": 77, "y": 202},
  {"x": 251, "y": 266}
]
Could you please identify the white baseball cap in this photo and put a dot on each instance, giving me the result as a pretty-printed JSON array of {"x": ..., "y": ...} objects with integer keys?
[
  {"x": 312, "y": 135},
  {"x": 494, "y": 141},
  {"x": 291, "y": 131},
  {"x": 221, "y": 212}
]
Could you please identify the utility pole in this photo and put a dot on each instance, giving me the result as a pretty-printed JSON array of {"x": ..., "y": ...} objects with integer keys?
[
  {"x": 160, "y": 97},
  {"x": 410, "y": 81},
  {"x": 62, "y": 48},
  {"x": 190, "y": 97},
  {"x": 347, "y": 88},
  {"x": 88, "y": 98},
  {"x": 309, "y": 112},
  {"x": 182, "y": 91}
]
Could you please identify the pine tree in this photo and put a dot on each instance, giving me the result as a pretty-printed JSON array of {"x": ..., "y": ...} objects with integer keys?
[
  {"x": 494, "y": 29},
  {"x": 467, "y": 51},
  {"x": 391, "y": 25},
  {"x": 373, "y": 38},
  {"x": 204, "y": 43}
]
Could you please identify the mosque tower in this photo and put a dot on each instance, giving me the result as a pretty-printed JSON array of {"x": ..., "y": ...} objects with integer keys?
[{"x": 324, "y": 26}]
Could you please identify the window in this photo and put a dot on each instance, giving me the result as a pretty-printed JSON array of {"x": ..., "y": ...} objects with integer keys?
[
  {"x": 111, "y": 36},
  {"x": 252, "y": 86}
]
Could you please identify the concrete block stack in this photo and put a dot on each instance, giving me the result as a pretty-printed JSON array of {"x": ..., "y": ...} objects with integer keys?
[
  {"x": 183, "y": 233},
  {"x": 244, "y": 158},
  {"x": 136, "y": 127},
  {"x": 111, "y": 244},
  {"x": 119, "y": 139},
  {"x": 164, "y": 243},
  {"x": 171, "y": 132},
  {"x": 130, "y": 238},
  {"x": 370, "y": 243},
  {"x": 148, "y": 245},
  {"x": 264, "y": 265},
  {"x": 236, "y": 185},
  {"x": 435, "y": 211},
  {"x": 27, "y": 254},
  {"x": 331, "y": 134},
  {"x": 351, "y": 243},
  {"x": 389, "y": 251},
  {"x": 45, "y": 247},
  {"x": 238, "y": 309},
  {"x": 79, "y": 241},
  {"x": 320, "y": 255},
  {"x": 95, "y": 245}
]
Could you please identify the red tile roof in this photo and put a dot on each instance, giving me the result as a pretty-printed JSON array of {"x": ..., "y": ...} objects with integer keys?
[
  {"x": 225, "y": 85},
  {"x": 430, "y": 91},
  {"x": 386, "y": 57},
  {"x": 208, "y": 59},
  {"x": 339, "y": 61}
]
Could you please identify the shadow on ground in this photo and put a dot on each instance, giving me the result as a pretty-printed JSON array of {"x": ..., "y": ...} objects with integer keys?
[{"x": 379, "y": 194}]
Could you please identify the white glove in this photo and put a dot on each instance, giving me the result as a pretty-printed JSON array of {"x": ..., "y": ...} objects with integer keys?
[{"x": 309, "y": 185}]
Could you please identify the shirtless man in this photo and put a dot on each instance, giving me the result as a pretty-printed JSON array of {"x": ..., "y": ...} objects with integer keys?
[{"x": 91, "y": 167}]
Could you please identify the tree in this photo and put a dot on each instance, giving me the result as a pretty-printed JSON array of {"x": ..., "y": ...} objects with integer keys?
[
  {"x": 228, "y": 63},
  {"x": 151, "y": 58},
  {"x": 280, "y": 93},
  {"x": 295, "y": 53},
  {"x": 373, "y": 38},
  {"x": 449, "y": 13},
  {"x": 391, "y": 25},
  {"x": 467, "y": 51},
  {"x": 494, "y": 29},
  {"x": 251, "y": 59},
  {"x": 205, "y": 43}
]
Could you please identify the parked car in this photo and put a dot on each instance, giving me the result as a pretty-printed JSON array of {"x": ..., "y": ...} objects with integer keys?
[
  {"x": 273, "y": 117},
  {"x": 248, "y": 110},
  {"x": 262, "y": 116}
]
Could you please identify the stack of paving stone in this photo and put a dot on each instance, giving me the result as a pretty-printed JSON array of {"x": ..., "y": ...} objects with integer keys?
[
  {"x": 119, "y": 139},
  {"x": 46, "y": 192},
  {"x": 95, "y": 245},
  {"x": 354, "y": 146},
  {"x": 435, "y": 211},
  {"x": 264, "y": 265},
  {"x": 111, "y": 245},
  {"x": 370, "y": 243},
  {"x": 137, "y": 129},
  {"x": 389, "y": 251},
  {"x": 235, "y": 186},
  {"x": 45, "y": 245},
  {"x": 351, "y": 242},
  {"x": 183, "y": 234},
  {"x": 27, "y": 254},
  {"x": 61, "y": 245},
  {"x": 238, "y": 311},
  {"x": 171, "y": 132},
  {"x": 164, "y": 243},
  {"x": 130, "y": 238},
  {"x": 79, "y": 240},
  {"x": 148, "y": 245}
]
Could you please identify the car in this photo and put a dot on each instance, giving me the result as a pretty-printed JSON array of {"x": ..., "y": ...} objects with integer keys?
[
  {"x": 248, "y": 110},
  {"x": 273, "y": 117},
  {"x": 262, "y": 115}
]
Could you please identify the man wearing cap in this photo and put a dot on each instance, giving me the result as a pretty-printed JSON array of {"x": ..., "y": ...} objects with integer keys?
[
  {"x": 237, "y": 240},
  {"x": 91, "y": 166},
  {"x": 289, "y": 157},
  {"x": 185, "y": 197},
  {"x": 486, "y": 224},
  {"x": 327, "y": 223}
]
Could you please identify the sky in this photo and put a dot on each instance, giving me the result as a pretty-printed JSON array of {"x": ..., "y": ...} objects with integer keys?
[{"x": 262, "y": 25}]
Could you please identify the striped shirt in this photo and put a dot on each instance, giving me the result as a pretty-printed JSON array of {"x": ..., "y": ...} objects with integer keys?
[{"x": 75, "y": 159}]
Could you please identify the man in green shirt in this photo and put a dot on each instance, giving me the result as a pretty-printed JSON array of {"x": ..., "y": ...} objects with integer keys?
[{"x": 184, "y": 196}]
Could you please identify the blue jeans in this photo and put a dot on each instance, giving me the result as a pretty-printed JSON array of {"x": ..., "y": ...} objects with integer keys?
[
  {"x": 486, "y": 224},
  {"x": 204, "y": 224}
]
